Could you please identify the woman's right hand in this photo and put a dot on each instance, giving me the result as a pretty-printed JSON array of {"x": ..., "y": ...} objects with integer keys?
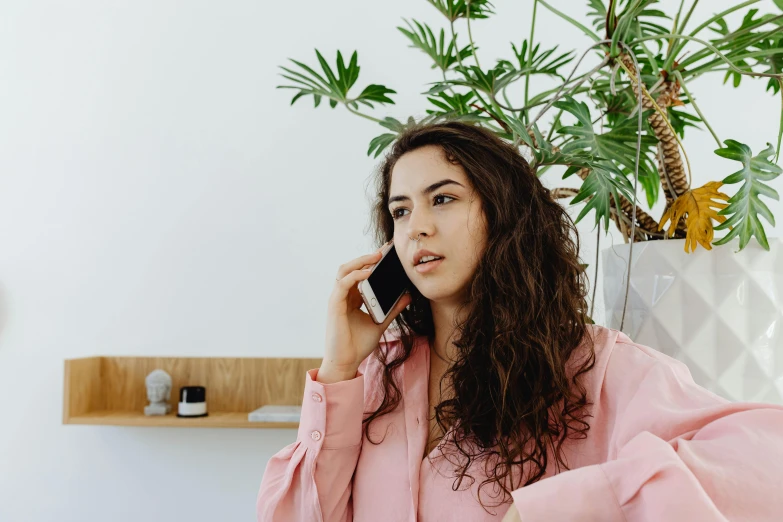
[{"x": 351, "y": 334}]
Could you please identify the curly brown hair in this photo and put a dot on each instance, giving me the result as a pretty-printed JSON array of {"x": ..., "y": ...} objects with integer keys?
[{"x": 526, "y": 314}]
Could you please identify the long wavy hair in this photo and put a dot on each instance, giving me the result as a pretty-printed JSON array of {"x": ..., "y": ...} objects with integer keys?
[{"x": 526, "y": 312}]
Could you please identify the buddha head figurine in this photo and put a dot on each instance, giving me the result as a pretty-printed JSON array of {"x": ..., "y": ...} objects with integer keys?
[{"x": 158, "y": 387}]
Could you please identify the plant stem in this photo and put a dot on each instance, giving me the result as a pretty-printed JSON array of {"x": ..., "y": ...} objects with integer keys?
[
  {"x": 508, "y": 103},
  {"x": 698, "y": 111},
  {"x": 554, "y": 124},
  {"x": 678, "y": 28},
  {"x": 470, "y": 38},
  {"x": 530, "y": 56},
  {"x": 564, "y": 16},
  {"x": 722, "y": 14},
  {"x": 650, "y": 57},
  {"x": 559, "y": 93},
  {"x": 707, "y": 67},
  {"x": 540, "y": 172},
  {"x": 376, "y": 120},
  {"x": 540, "y": 98},
  {"x": 459, "y": 59},
  {"x": 674, "y": 26},
  {"x": 610, "y": 18},
  {"x": 640, "y": 109},
  {"x": 681, "y": 46},
  {"x": 665, "y": 119},
  {"x": 688, "y": 16},
  {"x": 780, "y": 127},
  {"x": 666, "y": 177},
  {"x": 713, "y": 49},
  {"x": 732, "y": 37},
  {"x": 451, "y": 90}
]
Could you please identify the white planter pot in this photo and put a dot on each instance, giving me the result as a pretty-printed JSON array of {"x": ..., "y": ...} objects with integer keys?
[{"x": 719, "y": 312}]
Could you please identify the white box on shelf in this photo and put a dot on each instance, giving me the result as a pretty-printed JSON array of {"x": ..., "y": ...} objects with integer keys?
[{"x": 272, "y": 413}]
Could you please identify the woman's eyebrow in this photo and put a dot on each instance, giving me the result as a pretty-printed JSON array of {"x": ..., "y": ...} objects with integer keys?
[{"x": 432, "y": 188}]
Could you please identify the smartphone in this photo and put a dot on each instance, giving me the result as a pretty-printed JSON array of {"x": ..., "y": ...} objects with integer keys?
[{"x": 385, "y": 286}]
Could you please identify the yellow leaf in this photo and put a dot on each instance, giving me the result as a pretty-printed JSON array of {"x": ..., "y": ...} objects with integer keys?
[{"x": 700, "y": 210}]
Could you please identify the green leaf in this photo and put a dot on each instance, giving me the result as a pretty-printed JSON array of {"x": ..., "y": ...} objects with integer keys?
[
  {"x": 542, "y": 62},
  {"x": 547, "y": 155},
  {"x": 774, "y": 62},
  {"x": 637, "y": 11},
  {"x": 379, "y": 143},
  {"x": 333, "y": 86},
  {"x": 745, "y": 206},
  {"x": 618, "y": 145},
  {"x": 722, "y": 27},
  {"x": 442, "y": 56},
  {"x": 599, "y": 185},
  {"x": 459, "y": 103},
  {"x": 454, "y": 9},
  {"x": 376, "y": 93},
  {"x": 613, "y": 157},
  {"x": 749, "y": 41},
  {"x": 518, "y": 127},
  {"x": 649, "y": 180},
  {"x": 491, "y": 81},
  {"x": 597, "y": 14},
  {"x": 682, "y": 119}
]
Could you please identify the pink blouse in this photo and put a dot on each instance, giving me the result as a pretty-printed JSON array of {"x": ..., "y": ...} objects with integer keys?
[{"x": 660, "y": 449}]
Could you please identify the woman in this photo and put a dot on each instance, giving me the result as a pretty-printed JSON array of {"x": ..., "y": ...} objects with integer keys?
[{"x": 495, "y": 398}]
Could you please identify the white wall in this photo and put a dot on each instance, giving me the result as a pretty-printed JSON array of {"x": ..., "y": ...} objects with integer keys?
[{"x": 160, "y": 197}]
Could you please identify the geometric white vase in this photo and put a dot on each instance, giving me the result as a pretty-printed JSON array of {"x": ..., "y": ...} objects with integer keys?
[{"x": 718, "y": 311}]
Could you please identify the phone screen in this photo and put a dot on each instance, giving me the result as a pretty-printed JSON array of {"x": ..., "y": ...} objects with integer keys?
[{"x": 389, "y": 280}]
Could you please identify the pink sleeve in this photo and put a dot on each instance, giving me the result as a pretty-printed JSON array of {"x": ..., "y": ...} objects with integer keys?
[
  {"x": 676, "y": 452},
  {"x": 311, "y": 478}
]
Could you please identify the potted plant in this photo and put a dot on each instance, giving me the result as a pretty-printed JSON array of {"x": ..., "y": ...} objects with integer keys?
[{"x": 619, "y": 125}]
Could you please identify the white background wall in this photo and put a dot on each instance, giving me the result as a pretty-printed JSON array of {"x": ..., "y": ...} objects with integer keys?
[{"x": 159, "y": 196}]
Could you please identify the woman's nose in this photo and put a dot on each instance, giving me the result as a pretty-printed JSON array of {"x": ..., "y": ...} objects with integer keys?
[{"x": 418, "y": 223}]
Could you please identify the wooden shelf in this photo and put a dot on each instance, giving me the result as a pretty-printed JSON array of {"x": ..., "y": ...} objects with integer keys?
[
  {"x": 111, "y": 390},
  {"x": 213, "y": 420}
]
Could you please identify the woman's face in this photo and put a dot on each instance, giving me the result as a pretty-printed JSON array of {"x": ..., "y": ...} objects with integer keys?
[{"x": 432, "y": 197}]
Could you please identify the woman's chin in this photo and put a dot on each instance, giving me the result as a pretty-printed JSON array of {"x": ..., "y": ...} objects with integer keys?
[{"x": 436, "y": 295}]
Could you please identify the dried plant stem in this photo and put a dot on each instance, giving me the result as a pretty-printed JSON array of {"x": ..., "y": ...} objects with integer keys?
[{"x": 671, "y": 169}]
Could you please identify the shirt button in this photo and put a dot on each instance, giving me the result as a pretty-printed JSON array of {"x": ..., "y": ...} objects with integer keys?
[
  {"x": 316, "y": 435},
  {"x": 317, "y": 397}
]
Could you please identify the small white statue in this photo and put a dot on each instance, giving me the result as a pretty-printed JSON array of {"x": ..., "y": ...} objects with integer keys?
[{"x": 158, "y": 392}]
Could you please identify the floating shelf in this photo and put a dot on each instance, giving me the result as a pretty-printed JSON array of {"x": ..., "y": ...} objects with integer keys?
[{"x": 111, "y": 390}]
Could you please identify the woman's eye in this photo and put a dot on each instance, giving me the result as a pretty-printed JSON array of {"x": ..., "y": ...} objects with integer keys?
[
  {"x": 396, "y": 212},
  {"x": 442, "y": 196}
]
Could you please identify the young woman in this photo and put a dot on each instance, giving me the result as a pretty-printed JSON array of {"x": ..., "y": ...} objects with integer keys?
[{"x": 494, "y": 398}]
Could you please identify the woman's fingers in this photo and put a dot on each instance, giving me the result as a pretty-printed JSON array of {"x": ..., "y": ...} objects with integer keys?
[
  {"x": 347, "y": 282},
  {"x": 359, "y": 262}
]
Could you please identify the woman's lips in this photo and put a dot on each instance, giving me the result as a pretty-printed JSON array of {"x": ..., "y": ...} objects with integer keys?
[{"x": 428, "y": 267}]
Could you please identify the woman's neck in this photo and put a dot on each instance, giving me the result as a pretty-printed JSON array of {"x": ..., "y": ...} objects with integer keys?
[{"x": 445, "y": 323}]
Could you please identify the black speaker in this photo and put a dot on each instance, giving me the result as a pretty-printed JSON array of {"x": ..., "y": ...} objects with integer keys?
[{"x": 192, "y": 401}]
